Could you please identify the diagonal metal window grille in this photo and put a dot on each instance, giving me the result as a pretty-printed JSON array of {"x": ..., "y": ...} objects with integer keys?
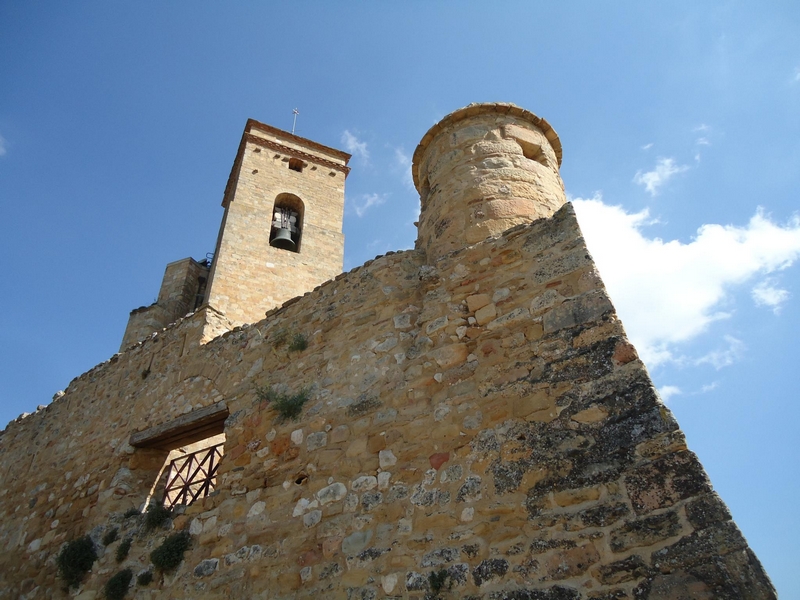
[{"x": 192, "y": 476}]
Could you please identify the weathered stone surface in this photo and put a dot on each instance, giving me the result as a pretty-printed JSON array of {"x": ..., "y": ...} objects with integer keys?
[
  {"x": 700, "y": 546},
  {"x": 488, "y": 570},
  {"x": 206, "y": 567},
  {"x": 623, "y": 570},
  {"x": 666, "y": 481},
  {"x": 645, "y": 532}
]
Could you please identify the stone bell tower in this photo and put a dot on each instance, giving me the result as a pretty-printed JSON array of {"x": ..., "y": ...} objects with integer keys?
[
  {"x": 281, "y": 234},
  {"x": 481, "y": 170}
]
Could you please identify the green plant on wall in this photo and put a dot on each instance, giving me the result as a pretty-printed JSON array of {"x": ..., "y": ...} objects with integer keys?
[
  {"x": 288, "y": 406},
  {"x": 117, "y": 586},
  {"x": 75, "y": 560},
  {"x": 170, "y": 553},
  {"x": 110, "y": 536},
  {"x": 156, "y": 516},
  {"x": 298, "y": 343},
  {"x": 123, "y": 549},
  {"x": 144, "y": 578},
  {"x": 439, "y": 581}
]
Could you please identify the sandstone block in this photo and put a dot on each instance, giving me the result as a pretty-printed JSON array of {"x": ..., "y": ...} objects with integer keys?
[
  {"x": 477, "y": 301},
  {"x": 485, "y": 314}
]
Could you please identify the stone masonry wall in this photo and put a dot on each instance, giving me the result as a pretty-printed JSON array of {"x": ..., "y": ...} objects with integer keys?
[{"x": 482, "y": 419}]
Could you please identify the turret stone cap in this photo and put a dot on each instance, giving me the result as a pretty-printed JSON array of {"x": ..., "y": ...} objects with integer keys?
[{"x": 478, "y": 108}]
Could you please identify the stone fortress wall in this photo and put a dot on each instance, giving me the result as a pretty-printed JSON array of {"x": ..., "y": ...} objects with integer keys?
[{"x": 476, "y": 413}]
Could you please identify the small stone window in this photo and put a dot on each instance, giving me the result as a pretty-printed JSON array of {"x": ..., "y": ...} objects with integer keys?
[
  {"x": 295, "y": 164},
  {"x": 287, "y": 223},
  {"x": 185, "y": 454}
]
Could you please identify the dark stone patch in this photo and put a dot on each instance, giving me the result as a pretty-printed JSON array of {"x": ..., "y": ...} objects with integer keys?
[
  {"x": 364, "y": 593},
  {"x": 458, "y": 573},
  {"x": 372, "y": 553},
  {"x": 362, "y": 405},
  {"x": 370, "y": 500},
  {"x": 557, "y": 592},
  {"x": 543, "y": 545},
  {"x": 416, "y": 581},
  {"x": 621, "y": 434},
  {"x": 471, "y": 550},
  {"x": 485, "y": 442},
  {"x": 397, "y": 492},
  {"x": 527, "y": 567},
  {"x": 423, "y": 497},
  {"x": 206, "y": 567},
  {"x": 440, "y": 556},
  {"x": 610, "y": 595},
  {"x": 645, "y": 532},
  {"x": 585, "y": 308},
  {"x": 507, "y": 475},
  {"x": 590, "y": 365},
  {"x": 470, "y": 491},
  {"x": 666, "y": 481},
  {"x": 573, "y": 460},
  {"x": 698, "y": 547},
  {"x": 736, "y": 575},
  {"x": 491, "y": 568},
  {"x": 674, "y": 586},
  {"x": 706, "y": 511},
  {"x": 621, "y": 571},
  {"x": 330, "y": 570},
  {"x": 601, "y": 516}
]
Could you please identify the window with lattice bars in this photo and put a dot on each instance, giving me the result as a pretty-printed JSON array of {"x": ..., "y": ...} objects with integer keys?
[{"x": 192, "y": 476}]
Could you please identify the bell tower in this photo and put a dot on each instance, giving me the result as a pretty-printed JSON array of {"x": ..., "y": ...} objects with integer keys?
[{"x": 281, "y": 234}]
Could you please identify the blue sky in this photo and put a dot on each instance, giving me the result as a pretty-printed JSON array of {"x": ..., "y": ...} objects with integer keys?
[{"x": 681, "y": 130}]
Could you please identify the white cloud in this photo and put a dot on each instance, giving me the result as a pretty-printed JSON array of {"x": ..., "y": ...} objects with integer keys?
[
  {"x": 403, "y": 162},
  {"x": 669, "y": 292},
  {"x": 796, "y": 77},
  {"x": 3, "y": 148},
  {"x": 355, "y": 146},
  {"x": 367, "y": 201},
  {"x": 664, "y": 170},
  {"x": 723, "y": 358},
  {"x": 668, "y": 391},
  {"x": 647, "y": 146},
  {"x": 702, "y": 141},
  {"x": 766, "y": 294},
  {"x": 709, "y": 387}
]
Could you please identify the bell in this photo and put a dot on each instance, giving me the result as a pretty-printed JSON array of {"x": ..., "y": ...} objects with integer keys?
[{"x": 283, "y": 240}]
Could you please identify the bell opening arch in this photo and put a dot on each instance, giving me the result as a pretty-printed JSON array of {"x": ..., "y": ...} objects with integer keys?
[{"x": 286, "y": 227}]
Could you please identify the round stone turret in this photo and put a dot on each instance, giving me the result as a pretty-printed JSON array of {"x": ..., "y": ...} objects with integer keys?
[{"x": 481, "y": 170}]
